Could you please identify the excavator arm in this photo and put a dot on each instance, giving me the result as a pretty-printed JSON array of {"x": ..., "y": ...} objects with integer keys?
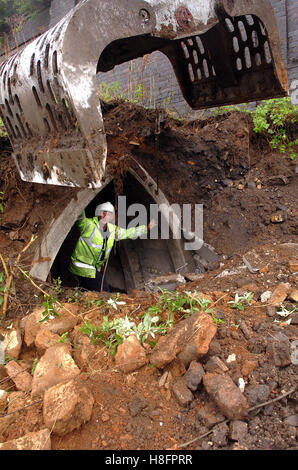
[{"x": 222, "y": 51}]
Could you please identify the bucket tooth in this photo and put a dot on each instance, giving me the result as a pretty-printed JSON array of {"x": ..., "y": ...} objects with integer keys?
[{"x": 222, "y": 52}]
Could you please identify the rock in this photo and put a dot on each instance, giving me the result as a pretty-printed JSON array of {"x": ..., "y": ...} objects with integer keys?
[
  {"x": 226, "y": 395},
  {"x": 194, "y": 375},
  {"x": 248, "y": 367},
  {"x": 246, "y": 330},
  {"x": 3, "y": 400},
  {"x": 44, "y": 340},
  {"x": 265, "y": 296},
  {"x": 280, "y": 294},
  {"x": 294, "y": 319},
  {"x": 219, "y": 435},
  {"x": 237, "y": 430},
  {"x": 55, "y": 367},
  {"x": 22, "y": 380},
  {"x": 293, "y": 295},
  {"x": 12, "y": 342},
  {"x": 278, "y": 217},
  {"x": 214, "y": 348},
  {"x": 210, "y": 415},
  {"x": 292, "y": 420},
  {"x": 279, "y": 350},
  {"x": 293, "y": 265},
  {"x": 189, "y": 340},
  {"x": 270, "y": 310},
  {"x": 40, "y": 440},
  {"x": 216, "y": 365},
  {"x": 83, "y": 351},
  {"x": 130, "y": 355},
  {"x": 66, "y": 321},
  {"x": 67, "y": 406},
  {"x": 176, "y": 368},
  {"x": 169, "y": 282},
  {"x": 182, "y": 393},
  {"x": 257, "y": 394},
  {"x": 137, "y": 405}
]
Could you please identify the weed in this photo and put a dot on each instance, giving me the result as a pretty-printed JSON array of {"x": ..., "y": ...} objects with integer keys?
[
  {"x": 270, "y": 118},
  {"x": 35, "y": 362},
  {"x": 1, "y": 202},
  {"x": 240, "y": 302},
  {"x": 57, "y": 283},
  {"x": 284, "y": 312},
  {"x": 64, "y": 338},
  {"x": 49, "y": 305}
]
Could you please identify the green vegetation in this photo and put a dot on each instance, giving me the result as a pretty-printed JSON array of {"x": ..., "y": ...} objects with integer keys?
[
  {"x": 240, "y": 302},
  {"x": 19, "y": 9},
  {"x": 49, "y": 305},
  {"x": 271, "y": 119}
]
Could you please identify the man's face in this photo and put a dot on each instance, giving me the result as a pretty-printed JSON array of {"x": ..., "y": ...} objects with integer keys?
[{"x": 106, "y": 217}]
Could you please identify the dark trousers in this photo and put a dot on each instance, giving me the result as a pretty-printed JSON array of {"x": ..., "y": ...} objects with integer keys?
[{"x": 94, "y": 284}]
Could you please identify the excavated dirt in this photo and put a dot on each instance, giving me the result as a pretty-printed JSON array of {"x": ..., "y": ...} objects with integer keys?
[{"x": 249, "y": 194}]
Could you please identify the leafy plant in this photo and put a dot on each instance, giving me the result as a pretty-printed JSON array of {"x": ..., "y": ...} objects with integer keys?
[
  {"x": 58, "y": 283},
  {"x": 284, "y": 312},
  {"x": 240, "y": 302},
  {"x": 271, "y": 117},
  {"x": 64, "y": 338},
  {"x": 35, "y": 362},
  {"x": 1, "y": 202},
  {"x": 49, "y": 305}
]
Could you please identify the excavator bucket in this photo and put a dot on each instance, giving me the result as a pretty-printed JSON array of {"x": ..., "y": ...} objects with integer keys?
[{"x": 222, "y": 52}]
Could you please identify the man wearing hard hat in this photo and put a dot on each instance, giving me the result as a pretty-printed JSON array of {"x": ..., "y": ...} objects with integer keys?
[{"x": 97, "y": 237}]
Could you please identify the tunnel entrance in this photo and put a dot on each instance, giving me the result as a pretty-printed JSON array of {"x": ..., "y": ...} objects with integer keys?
[{"x": 132, "y": 262}]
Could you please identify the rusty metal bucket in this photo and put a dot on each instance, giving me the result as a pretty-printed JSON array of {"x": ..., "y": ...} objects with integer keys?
[{"x": 222, "y": 52}]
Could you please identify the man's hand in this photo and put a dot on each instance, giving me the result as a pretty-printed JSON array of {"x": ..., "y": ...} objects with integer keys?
[{"x": 151, "y": 224}]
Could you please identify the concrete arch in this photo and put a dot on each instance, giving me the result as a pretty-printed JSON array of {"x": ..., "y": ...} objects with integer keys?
[{"x": 59, "y": 227}]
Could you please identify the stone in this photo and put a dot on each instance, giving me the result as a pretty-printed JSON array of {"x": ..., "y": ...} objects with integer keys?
[
  {"x": 215, "y": 364},
  {"x": 40, "y": 440},
  {"x": 210, "y": 414},
  {"x": 194, "y": 375},
  {"x": 294, "y": 319},
  {"x": 170, "y": 282},
  {"x": 44, "y": 340},
  {"x": 237, "y": 430},
  {"x": 188, "y": 341},
  {"x": 278, "y": 217},
  {"x": 66, "y": 320},
  {"x": 292, "y": 420},
  {"x": 83, "y": 351},
  {"x": 176, "y": 368},
  {"x": 270, "y": 310},
  {"x": 12, "y": 342},
  {"x": 67, "y": 407},
  {"x": 130, "y": 355},
  {"x": 248, "y": 367},
  {"x": 214, "y": 348},
  {"x": 54, "y": 367},
  {"x": 3, "y": 400},
  {"x": 257, "y": 394},
  {"x": 265, "y": 297},
  {"x": 226, "y": 395},
  {"x": 182, "y": 393},
  {"x": 246, "y": 330},
  {"x": 293, "y": 295},
  {"x": 279, "y": 350},
  {"x": 22, "y": 380},
  {"x": 280, "y": 294},
  {"x": 293, "y": 265},
  {"x": 220, "y": 434}
]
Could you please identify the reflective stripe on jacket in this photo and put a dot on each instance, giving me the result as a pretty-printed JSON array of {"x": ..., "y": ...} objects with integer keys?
[{"x": 88, "y": 254}]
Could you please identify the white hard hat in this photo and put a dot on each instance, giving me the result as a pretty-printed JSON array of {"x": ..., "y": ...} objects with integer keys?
[{"x": 106, "y": 206}]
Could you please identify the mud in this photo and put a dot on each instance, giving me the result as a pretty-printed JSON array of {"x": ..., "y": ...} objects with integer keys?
[{"x": 249, "y": 194}]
